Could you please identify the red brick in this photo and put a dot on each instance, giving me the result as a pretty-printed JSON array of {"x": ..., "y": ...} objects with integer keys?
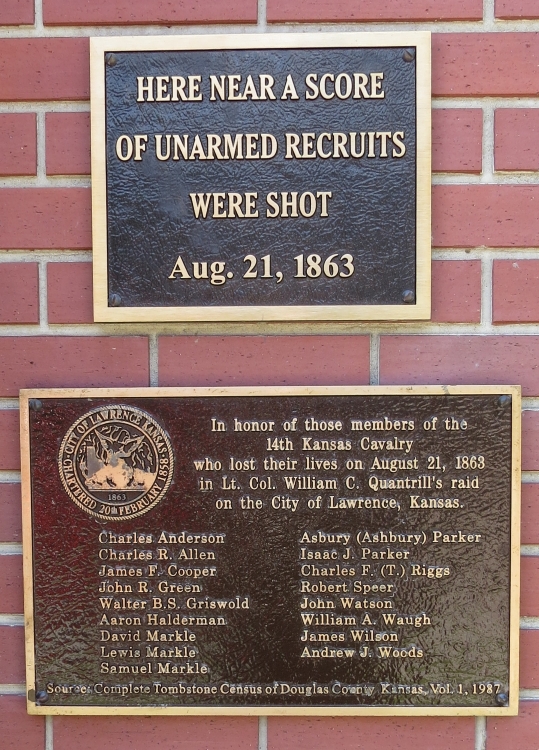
[
  {"x": 519, "y": 732},
  {"x": 516, "y": 132},
  {"x": 19, "y": 301},
  {"x": 18, "y": 155},
  {"x": 68, "y": 142},
  {"x": 11, "y": 591},
  {"x": 64, "y": 12},
  {"x": 457, "y": 140},
  {"x": 45, "y": 218},
  {"x": 373, "y": 10},
  {"x": 272, "y": 360},
  {"x": 516, "y": 9},
  {"x": 18, "y": 730},
  {"x": 530, "y": 514},
  {"x": 16, "y": 12},
  {"x": 530, "y": 440},
  {"x": 10, "y": 513},
  {"x": 485, "y": 64},
  {"x": 72, "y": 361},
  {"x": 461, "y": 360},
  {"x": 9, "y": 440},
  {"x": 515, "y": 284},
  {"x": 12, "y": 661},
  {"x": 456, "y": 291},
  {"x": 69, "y": 292},
  {"x": 529, "y": 586},
  {"x": 320, "y": 733},
  {"x": 485, "y": 215},
  {"x": 529, "y": 661},
  {"x": 44, "y": 69},
  {"x": 161, "y": 732}
]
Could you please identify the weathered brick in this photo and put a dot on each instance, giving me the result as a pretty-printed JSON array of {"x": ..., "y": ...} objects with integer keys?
[
  {"x": 11, "y": 591},
  {"x": 10, "y": 513},
  {"x": 67, "y": 142},
  {"x": 529, "y": 586},
  {"x": 461, "y": 360},
  {"x": 457, "y": 140},
  {"x": 515, "y": 731},
  {"x": 12, "y": 654},
  {"x": 44, "y": 69},
  {"x": 456, "y": 291},
  {"x": 530, "y": 440},
  {"x": 320, "y": 733},
  {"x": 488, "y": 215},
  {"x": 45, "y": 218},
  {"x": 16, "y": 12},
  {"x": 373, "y": 10},
  {"x": 18, "y": 730},
  {"x": 514, "y": 294},
  {"x": 72, "y": 361},
  {"x": 19, "y": 301},
  {"x": 18, "y": 155},
  {"x": 485, "y": 64},
  {"x": 516, "y": 9},
  {"x": 515, "y": 139},
  {"x": 69, "y": 292},
  {"x": 271, "y": 360},
  {"x": 530, "y": 514},
  {"x": 143, "y": 732},
  {"x": 529, "y": 660},
  {"x": 9, "y": 440},
  {"x": 64, "y": 12}
]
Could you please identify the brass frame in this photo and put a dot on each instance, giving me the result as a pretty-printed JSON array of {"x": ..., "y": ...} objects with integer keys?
[
  {"x": 418, "y": 311},
  {"x": 514, "y": 623}
]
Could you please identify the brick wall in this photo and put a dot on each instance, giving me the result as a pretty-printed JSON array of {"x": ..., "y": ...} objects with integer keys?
[{"x": 485, "y": 325}]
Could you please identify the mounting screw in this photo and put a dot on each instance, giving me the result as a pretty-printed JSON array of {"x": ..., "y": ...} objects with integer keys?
[
  {"x": 35, "y": 404},
  {"x": 110, "y": 59},
  {"x": 408, "y": 55},
  {"x": 502, "y": 699},
  {"x": 115, "y": 300},
  {"x": 41, "y": 697},
  {"x": 504, "y": 400},
  {"x": 408, "y": 296}
]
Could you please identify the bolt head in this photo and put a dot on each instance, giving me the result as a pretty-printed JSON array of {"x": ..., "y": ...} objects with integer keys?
[
  {"x": 115, "y": 300},
  {"x": 408, "y": 296}
]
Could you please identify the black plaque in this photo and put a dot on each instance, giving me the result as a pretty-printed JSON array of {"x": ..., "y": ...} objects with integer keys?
[
  {"x": 272, "y": 550},
  {"x": 288, "y": 181}
]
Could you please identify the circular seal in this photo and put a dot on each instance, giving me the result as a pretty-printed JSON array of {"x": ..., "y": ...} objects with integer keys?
[{"x": 116, "y": 462}]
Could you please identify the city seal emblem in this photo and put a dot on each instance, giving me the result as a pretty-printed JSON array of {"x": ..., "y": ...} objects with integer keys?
[{"x": 116, "y": 462}]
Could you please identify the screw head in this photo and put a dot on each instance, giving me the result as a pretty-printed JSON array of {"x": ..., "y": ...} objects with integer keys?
[
  {"x": 41, "y": 697},
  {"x": 115, "y": 300},
  {"x": 35, "y": 404},
  {"x": 408, "y": 296},
  {"x": 110, "y": 60},
  {"x": 504, "y": 400},
  {"x": 502, "y": 699},
  {"x": 408, "y": 55}
]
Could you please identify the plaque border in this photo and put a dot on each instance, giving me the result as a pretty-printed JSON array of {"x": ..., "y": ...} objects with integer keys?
[
  {"x": 421, "y": 310},
  {"x": 200, "y": 392}
]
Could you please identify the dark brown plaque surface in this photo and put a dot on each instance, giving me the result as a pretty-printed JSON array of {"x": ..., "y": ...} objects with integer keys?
[
  {"x": 272, "y": 550},
  {"x": 261, "y": 177}
]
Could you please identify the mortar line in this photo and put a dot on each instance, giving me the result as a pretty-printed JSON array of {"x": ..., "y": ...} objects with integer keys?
[
  {"x": 10, "y": 548},
  {"x": 49, "y": 733},
  {"x": 480, "y": 733},
  {"x": 41, "y": 176},
  {"x": 153, "y": 345},
  {"x": 12, "y": 689},
  {"x": 9, "y": 403},
  {"x": 12, "y": 621},
  {"x": 43, "y": 295},
  {"x": 489, "y": 15},
  {"x": 262, "y": 16},
  {"x": 529, "y": 694},
  {"x": 38, "y": 18},
  {"x": 486, "y": 292},
  {"x": 262, "y": 733},
  {"x": 10, "y": 477},
  {"x": 529, "y": 623},
  {"x": 374, "y": 359},
  {"x": 487, "y": 174},
  {"x": 529, "y": 550}
]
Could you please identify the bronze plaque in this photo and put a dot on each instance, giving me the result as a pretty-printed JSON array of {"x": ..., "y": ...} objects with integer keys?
[
  {"x": 261, "y": 177},
  {"x": 272, "y": 550}
]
